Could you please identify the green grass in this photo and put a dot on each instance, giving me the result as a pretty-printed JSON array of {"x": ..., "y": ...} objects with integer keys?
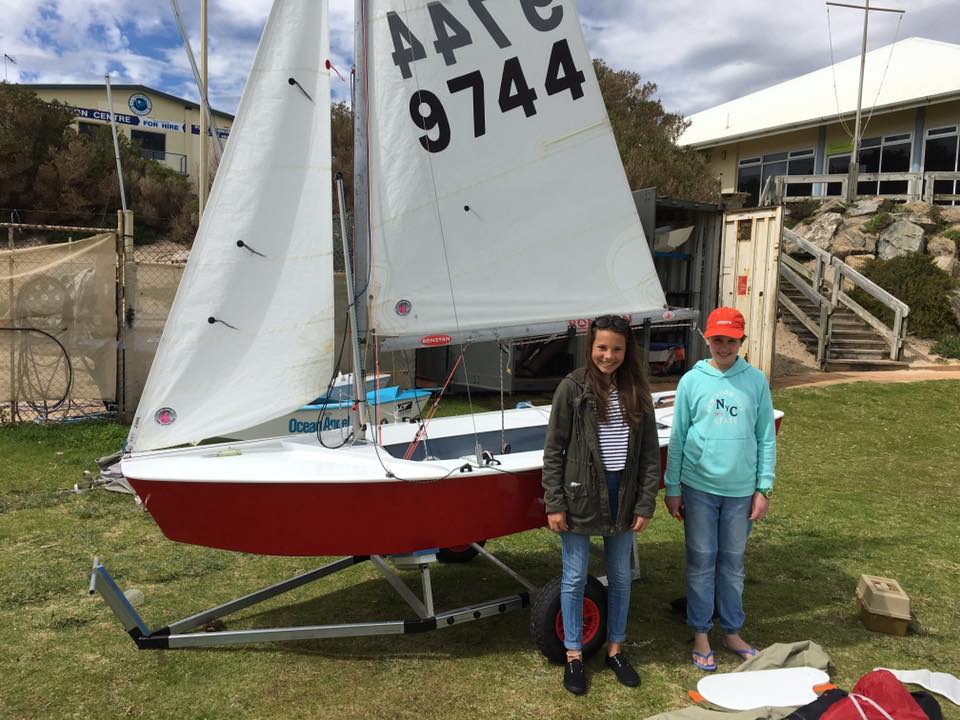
[{"x": 867, "y": 483}]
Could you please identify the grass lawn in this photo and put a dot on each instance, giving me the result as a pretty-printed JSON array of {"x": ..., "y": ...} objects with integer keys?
[{"x": 868, "y": 482}]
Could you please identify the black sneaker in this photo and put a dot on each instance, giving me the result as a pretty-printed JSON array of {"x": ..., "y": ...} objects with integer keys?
[
  {"x": 574, "y": 679},
  {"x": 623, "y": 670}
]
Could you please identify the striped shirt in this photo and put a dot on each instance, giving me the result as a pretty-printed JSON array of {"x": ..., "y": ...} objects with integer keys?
[{"x": 613, "y": 435}]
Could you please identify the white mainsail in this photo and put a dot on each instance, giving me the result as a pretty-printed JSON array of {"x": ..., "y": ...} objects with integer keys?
[
  {"x": 250, "y": 334},
  {"x": 498, "y": 198}
]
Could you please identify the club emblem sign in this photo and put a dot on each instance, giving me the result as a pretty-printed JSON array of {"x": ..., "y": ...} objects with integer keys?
[{"x": 140, "y": 104}]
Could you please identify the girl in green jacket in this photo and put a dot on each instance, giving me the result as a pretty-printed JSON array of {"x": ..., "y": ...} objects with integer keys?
[{"x": 601, "y": 471}]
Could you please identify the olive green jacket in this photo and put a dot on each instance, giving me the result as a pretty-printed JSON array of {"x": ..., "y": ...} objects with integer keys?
[{"x": 573, "y": 479}]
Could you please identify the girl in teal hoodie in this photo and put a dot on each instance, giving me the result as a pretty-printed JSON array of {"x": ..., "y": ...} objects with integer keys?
[{"x": 719, "y": 478}]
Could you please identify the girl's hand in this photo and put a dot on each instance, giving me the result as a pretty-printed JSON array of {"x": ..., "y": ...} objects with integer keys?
[
  {"x": 760, "y": 507},
  {"x": 639, "y": 523},
  {"x": 558, "y": 521},
  {"x": 674, "y": 505}
]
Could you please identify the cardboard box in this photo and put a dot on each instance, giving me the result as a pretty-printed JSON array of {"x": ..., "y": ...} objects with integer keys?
[{"x": 884, "y": 606}]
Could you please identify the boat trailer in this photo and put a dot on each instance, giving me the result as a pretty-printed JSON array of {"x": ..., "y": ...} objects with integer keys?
[{"x": 185, "y": 634}]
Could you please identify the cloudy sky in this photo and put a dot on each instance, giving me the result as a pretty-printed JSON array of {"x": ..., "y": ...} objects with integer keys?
[{"x": 699, "y": 52}]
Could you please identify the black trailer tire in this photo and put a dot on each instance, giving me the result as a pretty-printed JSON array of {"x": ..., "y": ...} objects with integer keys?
[
  {"x": 546, "y": 621},
  {"x": 459, "y": 553}
]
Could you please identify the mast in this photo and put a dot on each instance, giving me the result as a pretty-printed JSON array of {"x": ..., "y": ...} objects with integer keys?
[
  {"x": 357, "y": 273},
  {"x": 361, "y": 185}
]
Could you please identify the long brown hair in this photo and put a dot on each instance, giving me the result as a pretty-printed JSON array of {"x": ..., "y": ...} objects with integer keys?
[{"x": 631, "y": 380}]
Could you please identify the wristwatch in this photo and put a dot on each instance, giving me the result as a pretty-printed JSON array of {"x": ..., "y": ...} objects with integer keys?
[{"x": 767, "y": 492}]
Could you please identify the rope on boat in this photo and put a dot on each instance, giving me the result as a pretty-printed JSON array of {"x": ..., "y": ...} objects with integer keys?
[{"x": 422, "y": 431}]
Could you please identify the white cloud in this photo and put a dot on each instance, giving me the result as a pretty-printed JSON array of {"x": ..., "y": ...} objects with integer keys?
[{"x": 699, "y": 53}]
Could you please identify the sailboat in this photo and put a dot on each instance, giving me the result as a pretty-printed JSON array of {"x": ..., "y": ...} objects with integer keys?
[{"x": 495, "y": 207}]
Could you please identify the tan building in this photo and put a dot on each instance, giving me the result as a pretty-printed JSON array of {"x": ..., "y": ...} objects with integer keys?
[
  {"x": 911, "y": 121},
  {"x": 166, "y": 127}
]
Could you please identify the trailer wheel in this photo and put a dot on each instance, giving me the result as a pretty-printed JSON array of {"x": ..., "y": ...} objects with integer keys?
[
  {"x": 458, "y": 553},
  {"x": 546, "y": 620}
]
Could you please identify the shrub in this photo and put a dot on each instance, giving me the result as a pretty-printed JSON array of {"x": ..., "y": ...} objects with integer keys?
[
  {"x": 918, "y": 282},
  {"x": 799, "y": 211},
  {"x": 947, "y": 347},
  {"x": 877, "y": 223}
]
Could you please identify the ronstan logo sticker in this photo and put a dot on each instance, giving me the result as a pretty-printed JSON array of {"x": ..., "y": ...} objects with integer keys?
[{"x": 435, "y": 340}]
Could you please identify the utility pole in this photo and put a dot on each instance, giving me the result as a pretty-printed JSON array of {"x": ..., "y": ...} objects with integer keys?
[{"x": 854, "y": 167}]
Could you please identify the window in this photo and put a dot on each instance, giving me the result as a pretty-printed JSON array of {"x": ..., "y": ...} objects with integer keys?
[
  {"x": 152, "y": 145},
  {"x": 88, "y": 129},
  {"x": 754, "y": 172},
  {"x": 890, "y": 153},
  {"x": 940, "y": 152}
]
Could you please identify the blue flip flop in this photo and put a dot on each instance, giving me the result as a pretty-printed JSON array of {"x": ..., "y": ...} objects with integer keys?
[
  {"x": 708, "y": 664},
  {"x": 746, "y": 653}
]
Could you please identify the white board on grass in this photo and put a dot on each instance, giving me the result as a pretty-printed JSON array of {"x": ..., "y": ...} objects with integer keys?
[{"x": 779, "y": 687}]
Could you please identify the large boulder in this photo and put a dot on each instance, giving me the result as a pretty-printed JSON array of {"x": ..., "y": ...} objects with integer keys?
[
  {"x": 858, "y": 261},
  {"x": 821, "y": 231},
  {"x": 901, "y": 238},
  {"x": 950, "y": 214},
  {"x": 850, "y": 241},
  {"x": 941, "y": 246},
  {"x": 864, "y": 207},
  {"x": 947, "y": 264},
  {"x": 919, "y": 213}
]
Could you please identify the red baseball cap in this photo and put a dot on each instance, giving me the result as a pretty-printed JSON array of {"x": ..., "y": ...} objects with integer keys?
[{"x": 726, "y": 321}]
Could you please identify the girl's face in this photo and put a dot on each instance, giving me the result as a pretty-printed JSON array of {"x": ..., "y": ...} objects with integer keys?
[
  {"x": 724, "y": 350},
  {"x": 609, "y": 349}
]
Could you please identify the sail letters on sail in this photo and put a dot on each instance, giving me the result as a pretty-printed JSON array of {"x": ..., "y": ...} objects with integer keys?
[{"x": 497, "y": 192}]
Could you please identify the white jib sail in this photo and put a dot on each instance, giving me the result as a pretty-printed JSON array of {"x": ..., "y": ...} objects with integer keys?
[
  {"x": 498, "y": 197},
  {"x": 250, "y": 333}
]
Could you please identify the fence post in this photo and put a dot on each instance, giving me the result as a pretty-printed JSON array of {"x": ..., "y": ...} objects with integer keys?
[
  {"x": 896, "y": 345},
  {"x": 124, "y": 255},
  {"x": 10, "y": 312},
  {"x": 928, "y": 191}
]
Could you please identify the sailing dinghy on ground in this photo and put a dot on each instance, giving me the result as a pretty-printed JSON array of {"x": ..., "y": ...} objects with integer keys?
[{"x": 498, "y": 208}]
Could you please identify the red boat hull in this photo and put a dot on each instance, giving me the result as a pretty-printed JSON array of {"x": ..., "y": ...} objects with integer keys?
[{"x": 319, "y": 519}]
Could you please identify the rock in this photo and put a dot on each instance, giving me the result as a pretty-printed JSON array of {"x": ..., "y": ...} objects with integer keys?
[
  {"x": 947, "y": 264},
  {"x": 954, "y": 297},
  {"x": 858, "y": 261},
  {"x": 836, "y": 206},
  {"x": 950, "y": 214},
  {"x": 866, "y": 206},
  {"x": 941, "y": 246},
  {"x": 821, "y": 231},
  {"x": 849, "y": 241},
  {"x": 919, "y": 213},
  {"x": 901, "y": 238}
]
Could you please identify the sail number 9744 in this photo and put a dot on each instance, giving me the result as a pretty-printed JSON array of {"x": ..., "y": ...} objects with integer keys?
[{"x": 427, "y": 109}]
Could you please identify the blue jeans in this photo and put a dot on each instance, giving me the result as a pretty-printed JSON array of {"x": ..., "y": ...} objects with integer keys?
[
  {"x": 715, "y": 532},
  {"x": 616, "y": 559}
]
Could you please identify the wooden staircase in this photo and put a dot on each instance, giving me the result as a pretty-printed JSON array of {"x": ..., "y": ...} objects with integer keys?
[
  {"x": 853, "y": 343},
  {"x": 817, "y": 305}
]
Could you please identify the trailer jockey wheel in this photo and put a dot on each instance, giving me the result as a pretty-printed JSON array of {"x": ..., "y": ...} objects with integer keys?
[
  {"x": 458, "y": 553},
  {"x": 546, "y": 621}
]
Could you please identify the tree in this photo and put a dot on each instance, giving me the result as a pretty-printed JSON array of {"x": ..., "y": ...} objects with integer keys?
[
  {"x": 52, "y": 175},
  {"x": 31, "y": 131},
  {"x": 647, "y": 136}
]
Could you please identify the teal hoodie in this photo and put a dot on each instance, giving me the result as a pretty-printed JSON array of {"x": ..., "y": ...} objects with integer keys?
[{"x": 723, "y": 439}]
